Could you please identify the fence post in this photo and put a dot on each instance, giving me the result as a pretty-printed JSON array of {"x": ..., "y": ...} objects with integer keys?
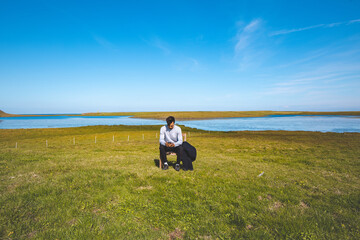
[
  {"x": 113, "y": 138},
  {"x": 128, "y": 137},
  {"x": 74, "y": 140},
  {"x": 95, "y": 139},
  {"x": 143, "y": 136},
  {"x": 46, "y": 143}
]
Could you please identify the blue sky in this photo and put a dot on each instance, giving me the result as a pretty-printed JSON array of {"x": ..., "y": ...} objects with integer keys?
[{"x": 108, "y": 56}]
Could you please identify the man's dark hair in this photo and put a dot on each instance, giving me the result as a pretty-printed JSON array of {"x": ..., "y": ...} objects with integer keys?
[{"x": 169, "y": 120}]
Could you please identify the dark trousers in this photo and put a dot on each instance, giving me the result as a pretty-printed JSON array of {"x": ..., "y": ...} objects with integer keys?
[{"x": 178, "y": 150}]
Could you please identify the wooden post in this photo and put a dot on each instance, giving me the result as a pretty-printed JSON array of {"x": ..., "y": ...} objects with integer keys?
[
  {"x": 143, "y": 136},
  {"x": 74, "y": 140},
  {"x": 95, "y": 139},
  {"x": 113, "y": 138},
  {"x": 184, "y": 137},
  {"x": 128, "y": 137},
  {"x": 46, "y": 144}
]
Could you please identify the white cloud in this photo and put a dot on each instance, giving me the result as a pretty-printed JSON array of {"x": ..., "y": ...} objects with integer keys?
[
  {"x": 326, "y": 78},
  {"x": 329, "y": 25},
  {"x": 310, "y": 57},
  {"x": 354, "y": 21},
  {"x": 251, "y": 45},
  {"x": 305, "y": 80},
  {"x": 158, "y": 43},
  {"x": 188, "y": 64},
  {"x": 282, "y": 32},
  {"x": 244, "y": 35},
  {"x": 105, "y": 43}
]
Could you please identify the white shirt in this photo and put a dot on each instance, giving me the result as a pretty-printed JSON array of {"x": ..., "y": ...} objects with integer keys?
[{"x": 171, "y": 135}]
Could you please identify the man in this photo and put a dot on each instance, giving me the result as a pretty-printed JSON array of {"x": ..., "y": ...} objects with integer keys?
[{"x": 171, "y": 141}]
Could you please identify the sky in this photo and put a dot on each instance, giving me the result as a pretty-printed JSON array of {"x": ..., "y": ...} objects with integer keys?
[{"x": 113, "y": 56}]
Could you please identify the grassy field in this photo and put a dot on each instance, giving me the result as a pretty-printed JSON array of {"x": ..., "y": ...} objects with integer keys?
[
  {"x": 309, "y": 188},
  {"x": 192, "y": 115}
]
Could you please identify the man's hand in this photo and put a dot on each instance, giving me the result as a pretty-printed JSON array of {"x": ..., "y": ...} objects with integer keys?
[{"x": 169, "y": 144}]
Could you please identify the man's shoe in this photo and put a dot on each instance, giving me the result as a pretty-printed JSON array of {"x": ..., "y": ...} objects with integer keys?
[
  {"x": 166, "y": 167},
  {"x": 177, "y": 167}
]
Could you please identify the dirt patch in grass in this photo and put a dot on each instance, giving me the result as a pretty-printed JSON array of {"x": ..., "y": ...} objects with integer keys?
[
  {"x": 303, "y": 205},
  {"x": 275, "y": 206},
  {"x": 145, "y": 188},
  {"x": 72, "y": 222},
  {"x": 31, "y": 235},
  {"x": 177, "y": 234}
]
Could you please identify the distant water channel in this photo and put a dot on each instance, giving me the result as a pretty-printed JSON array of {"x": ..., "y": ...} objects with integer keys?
[{"x": 279, "y": 122}]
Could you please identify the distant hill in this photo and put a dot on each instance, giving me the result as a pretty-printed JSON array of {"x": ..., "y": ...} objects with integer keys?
[{"x": 4, "y": 114}]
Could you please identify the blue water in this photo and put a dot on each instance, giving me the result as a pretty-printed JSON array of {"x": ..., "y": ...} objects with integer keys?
[
  {"x": 71, "y": 121},
  {"x": 288, "y": 123}
]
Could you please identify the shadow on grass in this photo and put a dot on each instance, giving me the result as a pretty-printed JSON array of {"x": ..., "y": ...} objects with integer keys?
[
  {"x": 156, "y": 162},
  {"x": 171, "y": 164}
]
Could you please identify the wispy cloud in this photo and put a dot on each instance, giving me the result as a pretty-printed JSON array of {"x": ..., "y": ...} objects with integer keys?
[
  {"x": 188, "y": 64},
  {"x": 309, "y": 58},
  {"x": 158, "y": 43},
  {"x": 305, "y": 80},
  {"x": 251, "y": 47},
  {"x": 329, "y": 25},
  {"x": 195, "y": 62},
  {"x": 323, "y": 79},
  {"x": 354, "y": 21},
  {"x": 245, "y": 35},
  {"x": 105, "y": 43}
]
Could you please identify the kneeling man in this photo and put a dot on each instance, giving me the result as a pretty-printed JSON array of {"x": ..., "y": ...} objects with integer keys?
[{"x": 171, "y": 141}]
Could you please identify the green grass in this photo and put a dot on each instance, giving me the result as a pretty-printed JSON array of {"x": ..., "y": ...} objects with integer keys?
[{"x": 114, "y": 190}]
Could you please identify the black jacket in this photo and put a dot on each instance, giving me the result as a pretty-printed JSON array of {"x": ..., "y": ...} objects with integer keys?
[
  {"x": 189, "y": 150},
  {"x": 188, "y": 156}
]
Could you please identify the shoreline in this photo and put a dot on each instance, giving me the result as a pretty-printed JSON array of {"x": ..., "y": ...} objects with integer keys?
[{"x": 156, "y": 128}]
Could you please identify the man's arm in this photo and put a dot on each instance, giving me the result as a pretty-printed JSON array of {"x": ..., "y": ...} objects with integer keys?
[
  {"x": 162, "y": 137},
  {"x": 180, "y": 139}
]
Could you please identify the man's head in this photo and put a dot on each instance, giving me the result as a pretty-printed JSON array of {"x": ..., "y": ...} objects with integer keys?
[{"x": 170, "y": 121}]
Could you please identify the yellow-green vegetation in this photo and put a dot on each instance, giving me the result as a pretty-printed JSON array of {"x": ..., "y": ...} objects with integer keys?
[
  {"x": 192, "y": 115},
  {"x": 189, "y": 115},
  {"x": 308, "y": 189},
  {"x": 4, "y": 114}
]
